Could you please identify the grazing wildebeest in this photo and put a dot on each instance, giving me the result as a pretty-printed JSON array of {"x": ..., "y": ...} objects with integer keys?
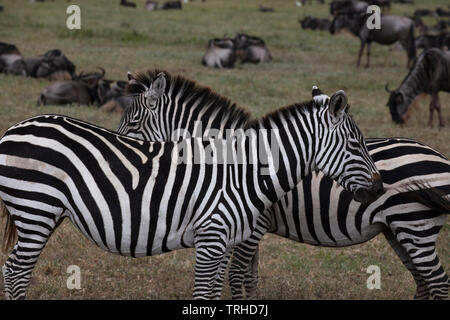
[
  {"x": 126, "y": 3},
  {"x": 251, "y": 49},
  {"x": 427, "y": 41},
  {"x": 171, "y": 5},
  {"x": 429, "y": 75},
  {"x": 50, "y": 62},
  {"x": 221, "y": 53},
  {"x": 347, "y": 6},
  {"x": 393, "y": 29},
  {"x": 151, "y": 5},
  {"x": 85, "y": 89},
  {"x": 11, "y": 60}
]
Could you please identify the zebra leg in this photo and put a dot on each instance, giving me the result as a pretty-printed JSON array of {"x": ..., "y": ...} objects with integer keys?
[
  {"x": 212, "y": 246},
  {"x": 218, "y": 283},
  {"x": 422, "y": 289},
  {"x": 420, "y": 245},
  {"x": 19, "y": 266},
  {"x": 243, "y": 256},
  {"x": 251, "y": 277}
]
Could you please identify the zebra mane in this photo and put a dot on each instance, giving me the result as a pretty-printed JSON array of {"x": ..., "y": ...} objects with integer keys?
[
  {"x": 188, "y": 89},
  {"x": 286, "y": 112}
]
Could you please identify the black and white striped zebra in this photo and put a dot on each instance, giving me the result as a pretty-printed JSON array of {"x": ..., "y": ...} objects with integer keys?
[
  {"x": 134, "y": 197},
  {"x": 318, "y": 211}
]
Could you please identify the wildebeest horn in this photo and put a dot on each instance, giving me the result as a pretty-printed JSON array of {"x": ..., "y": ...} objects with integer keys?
[
  {"x": 387, "y": 88},
  {"x": 102, "y": 70}
]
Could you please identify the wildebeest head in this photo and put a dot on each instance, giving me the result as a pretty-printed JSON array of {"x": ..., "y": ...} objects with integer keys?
[
  {"x": 7, "y": 48},
  {"x": 97, "y": 85},
  {"x": 251, "y": 49},
  {"x": 347, "y": 20},
  {"x": 53, "y": 61},
  {"x": 13, "y": 64},
  {"x": 221, "y": 53},
  {"x": 397, "y": 105}
]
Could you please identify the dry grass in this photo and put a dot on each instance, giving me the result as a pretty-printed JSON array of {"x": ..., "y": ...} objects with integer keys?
[{"x": 122, "y": 39}]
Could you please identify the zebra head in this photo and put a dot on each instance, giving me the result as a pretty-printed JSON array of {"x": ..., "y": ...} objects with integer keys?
[
  {"x": 146, "y": 109},
  {"x": 341, "y": 152}
]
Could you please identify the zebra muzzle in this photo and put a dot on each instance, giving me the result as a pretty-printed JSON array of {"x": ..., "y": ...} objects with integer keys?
[{"x": 369, "y": 195}]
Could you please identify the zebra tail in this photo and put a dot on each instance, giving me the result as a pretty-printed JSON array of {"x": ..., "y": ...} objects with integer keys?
[
  {"x": 433, "y": 198},
  {"x": 10, "y": 234}
]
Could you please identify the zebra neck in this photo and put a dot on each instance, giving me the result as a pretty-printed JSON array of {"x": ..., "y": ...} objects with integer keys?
[{"x": 291, "y": 148}]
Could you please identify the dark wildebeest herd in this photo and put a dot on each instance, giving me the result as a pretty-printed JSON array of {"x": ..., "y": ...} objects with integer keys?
[
  {"x": 428, "y": 73},
  {"x": 223, "y": 53},
  {"x": 67, "y": 86}
]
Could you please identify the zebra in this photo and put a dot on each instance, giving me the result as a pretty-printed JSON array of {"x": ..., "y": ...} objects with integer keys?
[
  {"x": 135, "y": 198},
  {"x": 303, "y": 217}
]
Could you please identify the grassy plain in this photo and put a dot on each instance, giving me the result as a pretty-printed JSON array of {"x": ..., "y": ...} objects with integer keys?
[{"x": 121, "y": 39}]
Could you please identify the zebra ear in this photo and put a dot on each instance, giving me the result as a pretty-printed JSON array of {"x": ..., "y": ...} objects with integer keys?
[
  {"x": 157, "y": 88},
  {"x": 132, "y": 81},
  {"x": 319, "y": 97},
  {"x": 338, "y": 104}
]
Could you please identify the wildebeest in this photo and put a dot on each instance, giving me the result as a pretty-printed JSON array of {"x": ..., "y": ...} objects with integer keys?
[
  {"x": 442, "y": 12},
  {"x": 171, "y": 5},
  {"x": 116, "y": 98},
  {"x": 312, "y": 23},
  {"x": 347, "y": 6},
  {"x": 251, "y": 49},
  {"x": 127, "y": 3},
  {"x": 403, "y": 1},
  {"x": 85, "y": 89},
  {"x": 429, "y": 75},
  {"x": 221, "y": 53},
  {"x": 50, "y": 62},
  {"x": 393, "y": 29},
  {"x": 423, "y": 12},
  {"x": 427, "y": 41},
  {"x": 265, "y": 9},
  {"x": 151, "y": 5},
  {"x": 11, "y": 60}
]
